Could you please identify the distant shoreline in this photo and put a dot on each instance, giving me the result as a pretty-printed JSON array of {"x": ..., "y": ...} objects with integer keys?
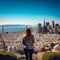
[{"x": 14, "y": 28}]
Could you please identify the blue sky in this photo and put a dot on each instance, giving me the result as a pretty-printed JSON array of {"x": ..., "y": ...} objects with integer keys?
[{"x": 29, "y": 11}]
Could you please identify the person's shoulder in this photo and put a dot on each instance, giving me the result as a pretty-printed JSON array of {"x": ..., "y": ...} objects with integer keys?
[{"x": 24, "y": 36}]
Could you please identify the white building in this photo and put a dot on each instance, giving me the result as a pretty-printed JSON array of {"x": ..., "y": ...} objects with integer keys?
[{"x": 56, "y": 48}]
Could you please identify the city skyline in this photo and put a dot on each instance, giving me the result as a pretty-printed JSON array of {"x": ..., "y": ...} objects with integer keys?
[{"x": 29, "y": 12}]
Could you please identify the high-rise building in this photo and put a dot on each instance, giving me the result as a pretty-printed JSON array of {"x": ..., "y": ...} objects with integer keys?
[
  {"x": 39, "y": 28},
  {"x": 44, "y": 23},
  {"x": 53, "y": 24},
  {"x": 44, "y": 28},
  {"x": 56, "y": 25},
  {"x": 47, "y": 23}
]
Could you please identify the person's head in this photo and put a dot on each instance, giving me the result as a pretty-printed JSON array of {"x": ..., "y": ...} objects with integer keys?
[{"x": 28, "y": 32}]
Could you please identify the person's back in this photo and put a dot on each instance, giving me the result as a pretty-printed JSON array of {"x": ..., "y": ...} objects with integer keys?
[{"x": 28, "y": 42}]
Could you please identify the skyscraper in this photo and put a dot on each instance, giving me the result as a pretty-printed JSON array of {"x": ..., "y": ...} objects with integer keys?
[
  {"x": 44, "y": 23},
  {"x": 47, "y": 23},
  {"x": 53, "y": 24},
  {"x": 39, "y": 28},
  {"x": 44, "y": 28},
  {"x": 56, "y": 25}
]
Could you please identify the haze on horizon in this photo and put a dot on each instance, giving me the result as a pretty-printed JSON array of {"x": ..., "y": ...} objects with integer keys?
[{"x": 29, "y": 12}]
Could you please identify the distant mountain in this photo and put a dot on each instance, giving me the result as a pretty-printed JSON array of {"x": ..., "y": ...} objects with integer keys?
[
  {"x": 15, "y": 28},
  {"x": 18, "y": 26}
]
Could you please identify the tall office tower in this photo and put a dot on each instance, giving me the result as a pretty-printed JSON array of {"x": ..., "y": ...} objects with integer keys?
[
  {"x": 44, "y": 28},
  {"x": 56, "y": 25},
  {"x": 39, "y": 28},
  {"x": 59, "y": 29},
  {"x": 47, "y": 23},
  {"x": 44, "y": 23},
  {"x": 53, "y": 24}
]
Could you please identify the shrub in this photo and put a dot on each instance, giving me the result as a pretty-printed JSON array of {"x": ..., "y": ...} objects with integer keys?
[
  {"x": 20, "y": 52},
  {"x": 4, "y": 55},
  {"x": 51, "y": 56}
]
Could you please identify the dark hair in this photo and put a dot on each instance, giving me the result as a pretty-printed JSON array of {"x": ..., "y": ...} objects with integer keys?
[{"x": 28, "y": 32}]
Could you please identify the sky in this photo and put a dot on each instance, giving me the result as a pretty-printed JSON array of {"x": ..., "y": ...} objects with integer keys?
[{"x": 30, "y": 12}]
